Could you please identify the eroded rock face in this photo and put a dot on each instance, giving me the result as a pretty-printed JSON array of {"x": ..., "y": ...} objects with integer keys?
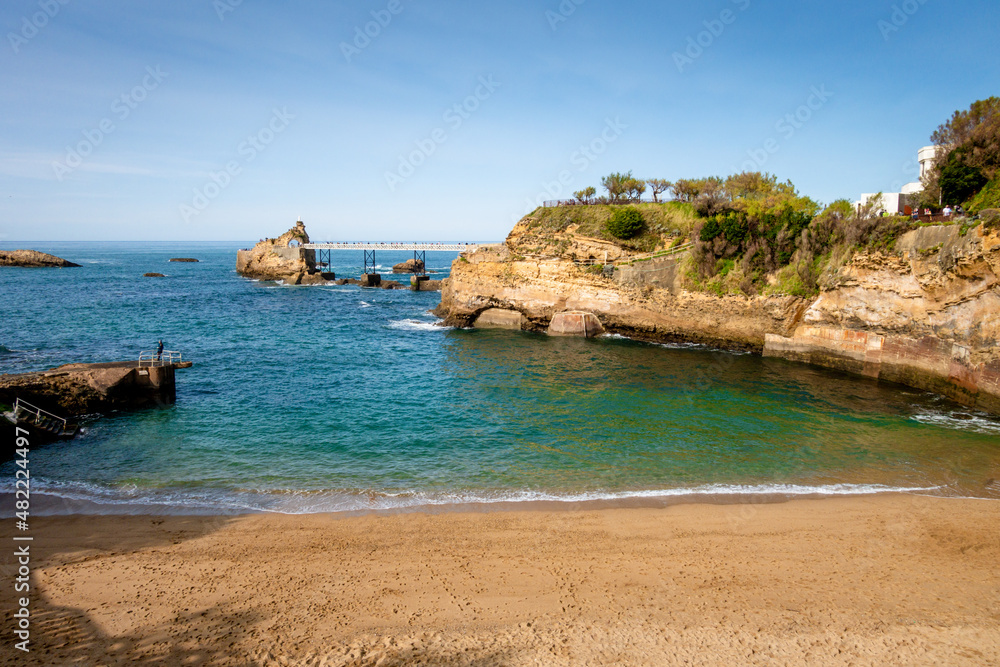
[
  {"x": 539, "y": 289},
  {"x": 929, "y": 318},
  {"x": 33, "y": 259},
  {"x": 279, "y": 259}
]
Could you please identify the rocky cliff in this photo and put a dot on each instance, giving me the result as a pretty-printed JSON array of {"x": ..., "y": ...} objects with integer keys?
[
  {"x": 503, "y": 285},
  {"x": 32, "y": 259},
  {"x": 926, "y": 315},
  {"x": 282, "y": 259}
]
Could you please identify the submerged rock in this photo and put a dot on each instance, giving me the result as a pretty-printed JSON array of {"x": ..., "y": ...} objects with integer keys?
[
  {"x": 33, "y": 259},
  {"x": 153, "y": 275},
  {"x": 184, "y": 259}
]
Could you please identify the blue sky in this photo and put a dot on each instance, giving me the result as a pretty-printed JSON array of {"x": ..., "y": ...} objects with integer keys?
[{"x": 228, "y": 119}]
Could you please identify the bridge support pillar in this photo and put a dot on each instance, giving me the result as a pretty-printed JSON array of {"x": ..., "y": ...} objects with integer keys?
[{"x": 370, "y": 280}]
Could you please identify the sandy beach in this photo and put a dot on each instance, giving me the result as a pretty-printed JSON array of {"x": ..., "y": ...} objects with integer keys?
[{"x": 880, "y": 580}]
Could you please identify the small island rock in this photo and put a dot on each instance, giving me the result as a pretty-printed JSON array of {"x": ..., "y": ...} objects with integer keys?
[
  {"x": 32, "y": 259},
  {"x": 184, "y": 259},
  {"x": 153, "y": 275},
  {"x": 282, "y": 258}
]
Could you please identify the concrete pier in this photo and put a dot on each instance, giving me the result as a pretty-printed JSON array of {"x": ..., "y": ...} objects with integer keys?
[{"x": 73, "y": 390}]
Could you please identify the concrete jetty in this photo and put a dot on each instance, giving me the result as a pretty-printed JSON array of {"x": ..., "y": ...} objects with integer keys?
[{"x": 73, "y": 390}]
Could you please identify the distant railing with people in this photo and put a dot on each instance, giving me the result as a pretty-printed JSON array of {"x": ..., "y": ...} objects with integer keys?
[
  {"x": 599, "y": 201},
  {"x": 387, "y": 245},
  {"x": 153, "y": 358}
]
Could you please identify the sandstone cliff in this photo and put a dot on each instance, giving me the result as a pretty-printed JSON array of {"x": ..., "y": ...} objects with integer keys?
[
  {"x": 506, "y": 287},
  {"x": 283, "y": 259},
  {"x": 32, "y": 259},
  {"x": 927, "y": 315}
]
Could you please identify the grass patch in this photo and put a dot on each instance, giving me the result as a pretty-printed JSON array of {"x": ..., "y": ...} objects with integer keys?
[{"x": 668, "y": 220}]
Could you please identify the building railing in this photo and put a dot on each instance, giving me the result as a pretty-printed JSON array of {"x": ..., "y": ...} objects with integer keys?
[{"x": 152, "y": 358}]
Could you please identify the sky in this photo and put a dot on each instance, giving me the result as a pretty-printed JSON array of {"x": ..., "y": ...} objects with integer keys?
[{"x": 406, "y": 120}]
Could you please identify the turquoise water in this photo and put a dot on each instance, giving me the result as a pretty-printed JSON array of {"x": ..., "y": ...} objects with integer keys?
[{"x": 335, "y": 398}]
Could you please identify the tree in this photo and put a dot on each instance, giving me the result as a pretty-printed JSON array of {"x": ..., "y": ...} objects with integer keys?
[
  {"x": 658, "y": 186},
  {"x": 960, "y": 183},
  {"x": 964, "y": 125},
  {"x": 970, "y": 144},
  {"x": 586, "y": 195},
  {"x": 617, "y": 185},
  {"x": 625, "y": 223},
  {"x": 686, "y": 190},
  {"x": 635, "y": 187},
  {"x": 756, "y": 185}
]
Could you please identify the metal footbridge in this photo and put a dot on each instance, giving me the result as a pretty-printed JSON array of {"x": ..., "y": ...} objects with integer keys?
[{"x": 419, "y": 250}]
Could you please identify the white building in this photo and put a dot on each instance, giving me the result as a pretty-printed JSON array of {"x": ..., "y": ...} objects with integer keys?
[{"x": 900, "y": 202}]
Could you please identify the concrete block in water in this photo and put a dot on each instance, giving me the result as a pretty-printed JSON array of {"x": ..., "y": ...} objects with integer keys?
[
  {"x": 499, "y": 318},
  {"x": 575, "y": 323}
]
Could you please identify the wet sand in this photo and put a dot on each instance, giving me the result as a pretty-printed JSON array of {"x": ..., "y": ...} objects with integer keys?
[{"x": 874, "y": 580}]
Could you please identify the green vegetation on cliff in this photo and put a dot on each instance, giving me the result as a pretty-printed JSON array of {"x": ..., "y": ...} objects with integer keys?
[
  {"x": 661, "y": 223},
  {"x": 970, "y": 150},
  {"x": 754, "y": 234}
]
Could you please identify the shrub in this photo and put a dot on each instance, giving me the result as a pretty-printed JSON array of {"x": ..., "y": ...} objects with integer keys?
[
  {"x": 625, "y": 223},
  {"x": 710, "y": 230},
  {"x": 960, "y": 182},
  {"x": 988, "y": 197}
]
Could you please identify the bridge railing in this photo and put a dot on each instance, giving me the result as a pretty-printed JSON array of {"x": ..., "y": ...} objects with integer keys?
[{"x": 151, "y": 359}]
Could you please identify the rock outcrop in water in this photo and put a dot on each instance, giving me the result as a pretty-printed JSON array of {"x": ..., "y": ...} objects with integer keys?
[
  {"x": 282, "y": 259},
  {"x": 409, "y": 266},
  {"x": 927, "y": 315},
  {"x": 33, "y": 259}
]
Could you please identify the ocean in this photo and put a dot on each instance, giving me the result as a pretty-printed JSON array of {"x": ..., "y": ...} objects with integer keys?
[{"x": 325, "y": 399}]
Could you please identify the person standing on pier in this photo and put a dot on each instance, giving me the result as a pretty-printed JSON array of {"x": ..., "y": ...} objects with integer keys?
[{"x": 159, "y": 350}]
